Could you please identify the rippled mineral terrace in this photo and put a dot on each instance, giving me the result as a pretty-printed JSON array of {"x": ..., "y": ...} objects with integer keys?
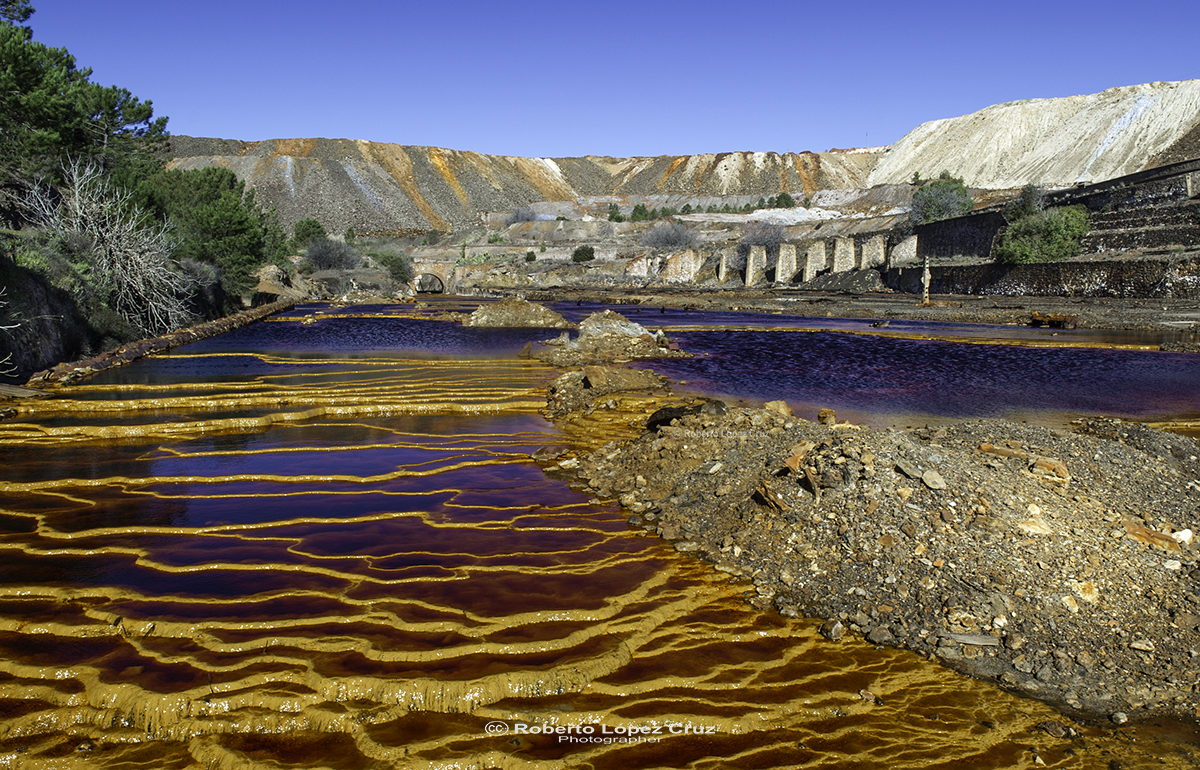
[{"x": 326, "y": 545}]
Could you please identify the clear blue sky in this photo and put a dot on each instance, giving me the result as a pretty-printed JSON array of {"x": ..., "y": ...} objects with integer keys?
[{"x": 556, "y": 79}]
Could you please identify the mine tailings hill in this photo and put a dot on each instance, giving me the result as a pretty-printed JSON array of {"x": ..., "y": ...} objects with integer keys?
[
  {"x": 1054, "y": 142},
  {"x": 377, "y": 187}
]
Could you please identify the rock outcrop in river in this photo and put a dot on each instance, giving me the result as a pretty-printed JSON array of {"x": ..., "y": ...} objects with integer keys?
[
  {"x": 605, "y": 337},
  {"x": 515, "y": 312}
]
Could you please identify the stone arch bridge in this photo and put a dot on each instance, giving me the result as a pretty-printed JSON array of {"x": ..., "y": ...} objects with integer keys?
[{"x": 435, "y": 276}]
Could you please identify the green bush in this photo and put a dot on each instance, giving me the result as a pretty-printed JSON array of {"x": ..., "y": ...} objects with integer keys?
[
  {"x": 530, "y": 256},
  {"x": 305, "y": 230},
  {"x": 395, "y": 263},
  {"x": 215, "y": 219},
  {"x": 495, "y": 238},
  {"x": 943, "y": 198},
  {"x": 639, "y": 213},
  {"x": 1031, "y": 201},
  {"x": 583, "y": 254},
  {"x": 1045, "y": 236}
]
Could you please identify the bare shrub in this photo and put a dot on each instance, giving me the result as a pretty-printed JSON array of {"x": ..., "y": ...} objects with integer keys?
[
  {"x": 129, "y": 254},
  {"x": 6, "y": 364},
  {"x": 325, "y": 254},
  {"x": 670, "y": 235},
  {"x": 764, "y": 234}
]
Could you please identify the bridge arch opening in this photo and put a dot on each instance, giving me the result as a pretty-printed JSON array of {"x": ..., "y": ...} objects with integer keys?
[{"x": 429, "y": 283}]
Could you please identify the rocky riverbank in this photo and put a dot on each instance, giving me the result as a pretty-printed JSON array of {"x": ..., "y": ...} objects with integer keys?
[{"x": 1060, "y": 564}]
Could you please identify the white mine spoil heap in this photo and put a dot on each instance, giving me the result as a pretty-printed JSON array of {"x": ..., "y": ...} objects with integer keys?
[{"x": 1051, "y": 142}]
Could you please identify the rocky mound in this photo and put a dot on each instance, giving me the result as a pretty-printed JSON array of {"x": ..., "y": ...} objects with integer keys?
[
  {"x": 1060, "y": 564},
  {"x": 514, "y": 312},
  {"x": 606, "y": 337},
  {"x": 576, "y": 391}
]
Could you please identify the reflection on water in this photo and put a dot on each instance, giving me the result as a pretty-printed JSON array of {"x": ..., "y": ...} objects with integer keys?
[
  {"x": 880, "y": 379},
  {"x": 243, "y": 557}
]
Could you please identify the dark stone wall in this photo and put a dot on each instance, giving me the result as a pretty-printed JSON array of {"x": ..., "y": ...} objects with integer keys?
[
  {"x": 1152, "y": 187},
  {"x": 969, "y": 236},
  {"x": 1159, "y": 227},
  {"x": 1151, "y": 209},
  {"x": 1128, "y": 278}
]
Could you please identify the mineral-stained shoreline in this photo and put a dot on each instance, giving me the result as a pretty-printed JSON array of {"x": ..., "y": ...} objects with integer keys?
[
  {"x": 1060, "y": 564},
  {"x": 132, "y": 351}
]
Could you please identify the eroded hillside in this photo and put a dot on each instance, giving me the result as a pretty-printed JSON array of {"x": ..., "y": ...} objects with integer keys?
[{"x": 375, "y": 186}]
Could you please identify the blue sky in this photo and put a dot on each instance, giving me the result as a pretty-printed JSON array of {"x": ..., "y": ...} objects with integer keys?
[{"x": 562, "y": 79}]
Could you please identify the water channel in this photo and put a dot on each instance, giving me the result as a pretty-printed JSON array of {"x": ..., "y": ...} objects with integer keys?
[{"x": 325, "y": 545}]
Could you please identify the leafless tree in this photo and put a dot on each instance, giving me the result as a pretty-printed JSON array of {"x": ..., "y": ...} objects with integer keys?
[
  {"x": 670, "y": 235},
  {"x": 130, "y": 258},
  {"x": 6, "y": 365},
  {"x": 765, "y": 234}
]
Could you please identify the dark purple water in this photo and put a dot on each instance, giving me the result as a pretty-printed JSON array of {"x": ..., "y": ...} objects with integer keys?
[
  {"x": 362, "y": 337},
  {"x": 873, "y": 377},
  {"x": 881, "y": 380},
  {"x": 656, "y": 317}
]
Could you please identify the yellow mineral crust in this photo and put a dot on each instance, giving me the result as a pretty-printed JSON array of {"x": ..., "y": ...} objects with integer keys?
[{"x": 182, "y": 587}]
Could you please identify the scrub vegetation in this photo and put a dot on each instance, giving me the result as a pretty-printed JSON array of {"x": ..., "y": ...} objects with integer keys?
[
  {"x": 1038, "y": 234},
  {"x": 91, "y": 218},
  {"x": 940, "y": 198}
]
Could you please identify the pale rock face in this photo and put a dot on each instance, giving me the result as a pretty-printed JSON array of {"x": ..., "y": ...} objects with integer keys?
[{"x": 1050, "y": 142}]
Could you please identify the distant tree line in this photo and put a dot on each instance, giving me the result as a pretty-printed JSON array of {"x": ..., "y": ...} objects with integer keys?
[{"x": 641, "y": 214}]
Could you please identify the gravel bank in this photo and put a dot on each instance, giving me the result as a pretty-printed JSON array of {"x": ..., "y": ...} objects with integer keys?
[{"x": 1059, "y": 563}]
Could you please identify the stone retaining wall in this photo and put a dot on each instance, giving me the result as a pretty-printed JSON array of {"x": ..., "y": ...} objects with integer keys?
[{"x": 1162, "y": 277}]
